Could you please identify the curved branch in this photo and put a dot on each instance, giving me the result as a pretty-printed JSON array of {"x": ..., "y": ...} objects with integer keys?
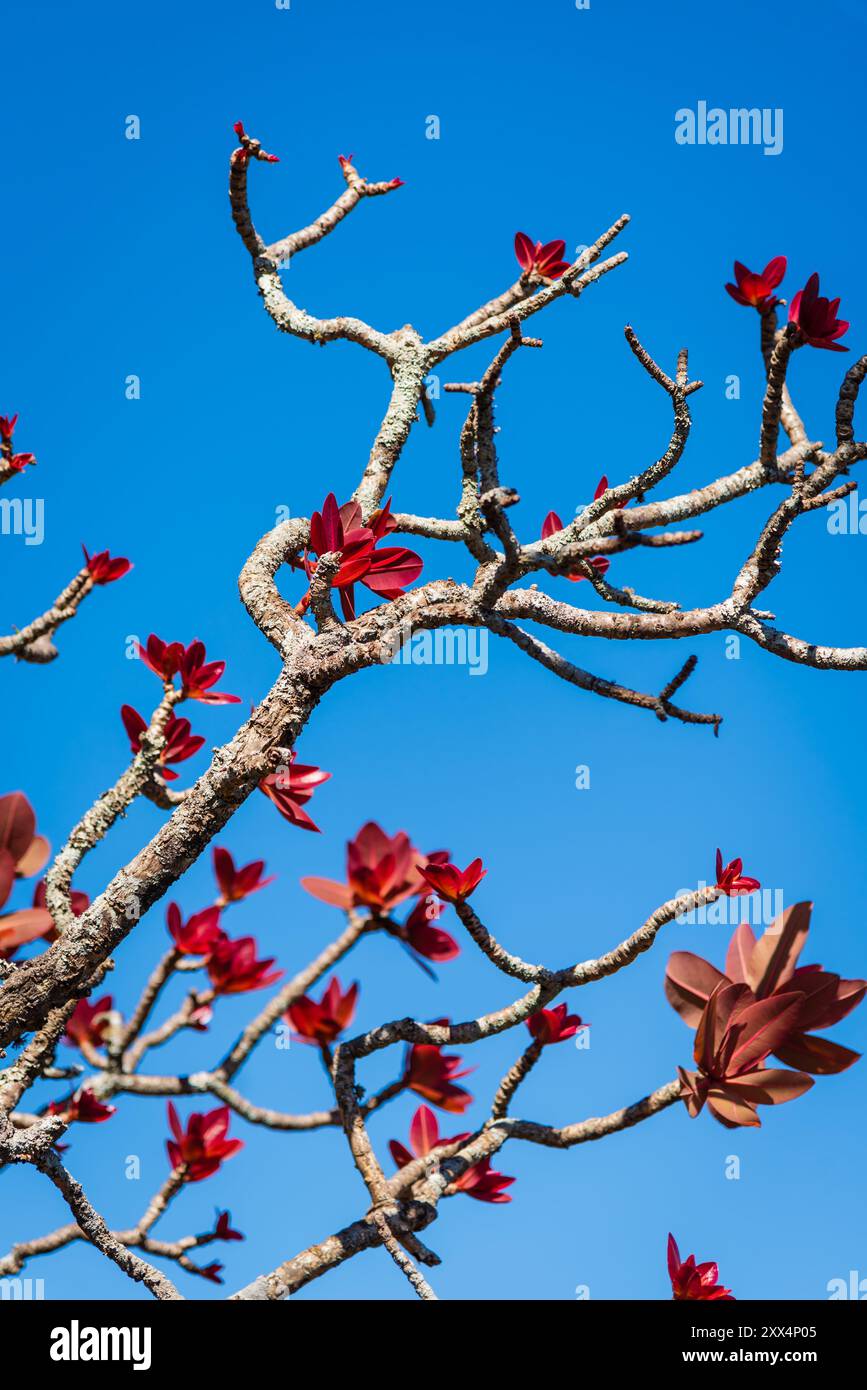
[
  {"x": 319, "y": 1259},
  {"x": 33, "y": 642},
  {"x": 25, "y": 1148},
  {"x": 573, "y": 281},
  {"x": 96, "y": 823},
  {"x": 660, "y": 705}
]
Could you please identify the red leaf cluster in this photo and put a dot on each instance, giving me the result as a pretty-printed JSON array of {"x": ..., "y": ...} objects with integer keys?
[{"x": 764, "y": 1004}]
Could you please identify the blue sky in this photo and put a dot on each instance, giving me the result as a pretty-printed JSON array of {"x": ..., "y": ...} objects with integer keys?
[{"x": 122, "y": 259}]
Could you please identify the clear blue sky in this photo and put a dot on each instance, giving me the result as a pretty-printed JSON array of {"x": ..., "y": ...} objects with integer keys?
[{"x": 121, "y": 258}]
